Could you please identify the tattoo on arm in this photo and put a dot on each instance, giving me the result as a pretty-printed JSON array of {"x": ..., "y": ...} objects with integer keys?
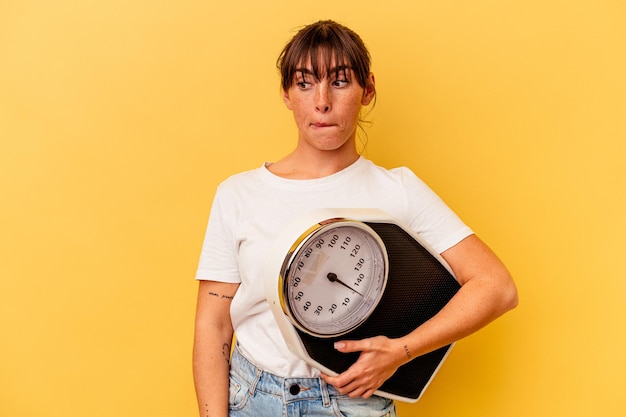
[
  {"x": 223, "y": 296},
  {"x": 407, "y": 351},
  {"x": 226, "y": 352}
]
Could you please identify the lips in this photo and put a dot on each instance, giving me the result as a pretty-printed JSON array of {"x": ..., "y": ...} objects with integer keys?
[{"x": 320, "y": 124}]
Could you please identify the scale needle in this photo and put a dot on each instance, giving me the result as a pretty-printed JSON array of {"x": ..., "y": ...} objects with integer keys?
[{"x": 332, "y": 277}]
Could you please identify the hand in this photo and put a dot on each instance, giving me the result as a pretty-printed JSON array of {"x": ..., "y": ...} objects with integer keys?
[{"x": 380, "y": 357}]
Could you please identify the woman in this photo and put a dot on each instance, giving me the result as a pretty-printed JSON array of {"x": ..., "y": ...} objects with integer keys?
[{"x": 326, "y": 80}]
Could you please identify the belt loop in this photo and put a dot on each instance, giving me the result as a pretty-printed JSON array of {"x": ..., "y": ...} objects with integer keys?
[
  {"x": 325, "y": 394},
  {"x": 254, "y": 383}
]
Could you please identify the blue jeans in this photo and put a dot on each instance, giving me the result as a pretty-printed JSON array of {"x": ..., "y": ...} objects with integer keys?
[{"x": 256, "y": 393}]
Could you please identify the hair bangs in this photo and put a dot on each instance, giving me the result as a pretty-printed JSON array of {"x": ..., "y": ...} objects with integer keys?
[{"x": 326, "y": 46}]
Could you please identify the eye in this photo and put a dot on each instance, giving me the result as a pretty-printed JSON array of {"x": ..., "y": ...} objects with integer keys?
[
  {"x": 339, "y": 83},
  {"x": 303, "y": 80}
]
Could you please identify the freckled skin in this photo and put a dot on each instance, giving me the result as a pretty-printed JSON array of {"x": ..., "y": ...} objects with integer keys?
[{"x": 326, "y": 112}]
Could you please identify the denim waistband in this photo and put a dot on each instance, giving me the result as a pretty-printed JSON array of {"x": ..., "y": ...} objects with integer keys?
[{"x": 291, "y": 389}]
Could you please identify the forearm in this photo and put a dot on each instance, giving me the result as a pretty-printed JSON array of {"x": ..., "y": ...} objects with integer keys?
[
  {"x": 212, "y": 345},
  {"x": 472, "y": 308},
  {"x": 210, "y": 371},
  {"x": 487, "y": 291}
]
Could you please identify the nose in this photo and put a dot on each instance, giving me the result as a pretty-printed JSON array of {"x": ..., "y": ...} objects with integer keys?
[{"x": 322, "y": 99}]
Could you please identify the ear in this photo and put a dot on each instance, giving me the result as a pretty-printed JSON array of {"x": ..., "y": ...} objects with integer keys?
[
  {"x": 370, "y": 90},
  {"x": 286, "y": 99}
]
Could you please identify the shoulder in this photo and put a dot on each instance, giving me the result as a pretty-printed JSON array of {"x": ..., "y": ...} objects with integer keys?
[
  {"x": 235, "y": 182},
  {"x": 370, "y": 165},
  {"x": 402, "y": 175}
]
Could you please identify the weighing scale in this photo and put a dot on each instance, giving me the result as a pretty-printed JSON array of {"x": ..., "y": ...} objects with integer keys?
[{"x": 350, "y": 274}]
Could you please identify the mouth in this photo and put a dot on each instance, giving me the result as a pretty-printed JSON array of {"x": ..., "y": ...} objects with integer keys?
[{"x": 320, "y": 125}]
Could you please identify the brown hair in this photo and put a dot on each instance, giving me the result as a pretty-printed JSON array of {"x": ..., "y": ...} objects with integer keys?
[{"x": 323, "y": 43}]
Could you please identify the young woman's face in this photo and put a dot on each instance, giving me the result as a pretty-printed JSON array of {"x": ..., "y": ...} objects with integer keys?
[{"x": 326, "y": 110}]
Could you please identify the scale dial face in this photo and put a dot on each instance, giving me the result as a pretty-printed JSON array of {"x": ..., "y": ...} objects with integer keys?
[{"x": 334, "y": 277}]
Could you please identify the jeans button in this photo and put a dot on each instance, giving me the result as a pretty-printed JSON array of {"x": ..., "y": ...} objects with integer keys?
[{"x": 294, "y": 389}]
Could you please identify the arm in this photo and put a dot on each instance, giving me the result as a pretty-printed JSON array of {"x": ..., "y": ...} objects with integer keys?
[
  {"x": 211, "y": 347},
  {"x": 487, "y": 291}
]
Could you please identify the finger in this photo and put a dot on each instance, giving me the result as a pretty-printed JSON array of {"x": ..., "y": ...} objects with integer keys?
[
  {"x": 353, "y": 384},
  {"x": 368, "y": 393},
  {"x": 339, "y": 381},
  {"x": 359, "y": 391},
  {"x": 345, "y": 383},
  {"x": 347, "y": 346},
  {"x": 352, "y": 389}
]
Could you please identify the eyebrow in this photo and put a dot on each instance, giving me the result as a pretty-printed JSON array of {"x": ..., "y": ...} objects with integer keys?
[{"x": 336, "y": 70}]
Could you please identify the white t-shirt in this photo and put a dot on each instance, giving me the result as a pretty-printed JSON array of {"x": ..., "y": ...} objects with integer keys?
[{"x": 251, "y": 209}]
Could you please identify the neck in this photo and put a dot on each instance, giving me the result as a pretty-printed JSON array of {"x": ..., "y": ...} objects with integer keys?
[{"x": 311, "y": 165}]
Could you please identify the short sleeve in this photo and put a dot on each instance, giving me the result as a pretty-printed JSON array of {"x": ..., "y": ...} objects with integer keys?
[
  {"x": 429, "y": 215},
  {"x": 218, "y": 258}
]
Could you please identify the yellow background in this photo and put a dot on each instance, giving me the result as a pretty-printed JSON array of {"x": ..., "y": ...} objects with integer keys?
[{"x": 119, "y": 118}]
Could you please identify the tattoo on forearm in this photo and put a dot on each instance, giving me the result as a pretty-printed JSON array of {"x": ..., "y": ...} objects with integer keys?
[
  {"x": 226, "y": 352},
  {"x": 407, "y": 351}
]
